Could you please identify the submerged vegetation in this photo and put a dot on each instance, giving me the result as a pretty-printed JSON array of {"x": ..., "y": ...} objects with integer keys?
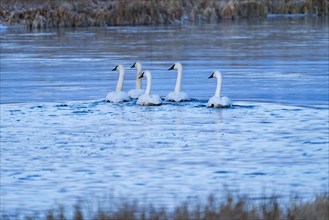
[
  {"x": 232, "y": 207},
  {"x": 72, "y": 13}
]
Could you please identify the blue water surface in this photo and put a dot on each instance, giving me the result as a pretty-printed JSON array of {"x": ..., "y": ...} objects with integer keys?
[{"x": 60, "y": 141}]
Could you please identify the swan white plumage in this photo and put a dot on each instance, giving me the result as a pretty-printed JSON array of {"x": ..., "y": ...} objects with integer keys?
[
  {"x": 138, "y": 91},
  {"x": 177, "y": 95},
  {"x": 217, "y": 101},
  {"x": 147, "y": 98},
  {"x": 118, "y": 95}
]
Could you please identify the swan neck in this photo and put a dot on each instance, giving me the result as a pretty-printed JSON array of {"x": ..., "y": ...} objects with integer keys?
[
  {"x": 179, "y": 80},
  {"x": 120, "y": 80},
  {"x": 219, "y": 86},
  {"x": 138, "y": 80},
  {"x": 148, "y": 84}
]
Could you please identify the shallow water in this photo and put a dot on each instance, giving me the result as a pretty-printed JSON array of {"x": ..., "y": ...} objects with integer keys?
[{"x": 60, "y": 140}]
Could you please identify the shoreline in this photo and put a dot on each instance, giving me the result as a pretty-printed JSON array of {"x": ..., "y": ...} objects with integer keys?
[
  {"x": 228, "y": 206},
  {"x": 37, "y": 14}
]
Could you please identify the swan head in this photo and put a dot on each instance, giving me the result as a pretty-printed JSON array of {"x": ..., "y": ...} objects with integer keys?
[
  {"x": 137, "y": 65},
  {"x": 176, "y": 66},
  {"x": 145, "y": 73},
  {"x": 118, "y": 67},
  {"x": 141, "y": 76},
  {"x": 215, "y": 74}
]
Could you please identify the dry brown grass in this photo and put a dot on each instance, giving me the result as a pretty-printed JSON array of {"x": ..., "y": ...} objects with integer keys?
[
  {"x": 71, "y": 13},
  {"x": 233, "y": 207},
  {"x": 292, "y": 7}
]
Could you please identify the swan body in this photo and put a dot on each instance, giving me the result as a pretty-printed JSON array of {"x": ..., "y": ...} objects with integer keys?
[
  {"x": 135, "y": 93},
  {"x": 217, "y": 101},
  {"x": 147, "y": 98},
  {"x": 177, "y": 95},
  {"x": 118, "y": 95}
]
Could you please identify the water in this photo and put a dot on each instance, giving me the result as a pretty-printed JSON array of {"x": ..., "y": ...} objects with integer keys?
[{"x": 61, "y": 141}]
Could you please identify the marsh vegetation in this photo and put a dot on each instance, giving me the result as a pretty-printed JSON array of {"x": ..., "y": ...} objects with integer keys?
[
  {"x": 214, "y": 208},
  {"x": 72, "y": 13}
]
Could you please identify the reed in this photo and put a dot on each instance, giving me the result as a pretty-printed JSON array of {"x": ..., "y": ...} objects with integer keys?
[
  {"x": 72, "y": 13},
  {"x": 232, "y": 207},
  {"x": 299, "y": 7}
]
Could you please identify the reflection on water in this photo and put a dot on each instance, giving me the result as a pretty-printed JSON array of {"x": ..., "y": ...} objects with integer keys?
[{"x": 58, "y": 143}]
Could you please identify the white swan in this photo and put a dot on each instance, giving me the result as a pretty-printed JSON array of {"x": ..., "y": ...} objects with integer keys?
[
  {"x": 118, "y": 95},
  {"x": 177, "y": 95},
  {"x": 217, "y": 101},
  {"x": 146, "y": 98},
  {"x": 135, "y": 93}
]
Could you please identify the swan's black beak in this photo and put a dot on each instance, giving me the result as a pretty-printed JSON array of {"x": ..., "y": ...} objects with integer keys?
[
  {"x": 115, "y": 68},
  {"x": 212, "y": 76},
  {"x": 133, "y": 66},
  {"x": 141, "y": 76},
  {"x": 172, "y": 67}
]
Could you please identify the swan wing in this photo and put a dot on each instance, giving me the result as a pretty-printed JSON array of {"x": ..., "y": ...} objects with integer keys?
[
  {"x": 149, "y": 100},
  {"x": 117, "y": 97},
  {"x": 135, "y": 93},
  {"x": 110, "y": 96},
  {"x": 156, "y": 99},
  {"x": 213, "y": 101},
  {"x": 219, "y": 102},
  {"x": 184, "y": 96},
  {"x": 226, "y": 102},
  {"x": 142, "y": 100},
  {"x": 177, "y": 97}
]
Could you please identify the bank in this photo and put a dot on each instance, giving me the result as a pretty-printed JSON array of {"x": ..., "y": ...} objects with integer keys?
[{"x": 83, "y": 13}]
